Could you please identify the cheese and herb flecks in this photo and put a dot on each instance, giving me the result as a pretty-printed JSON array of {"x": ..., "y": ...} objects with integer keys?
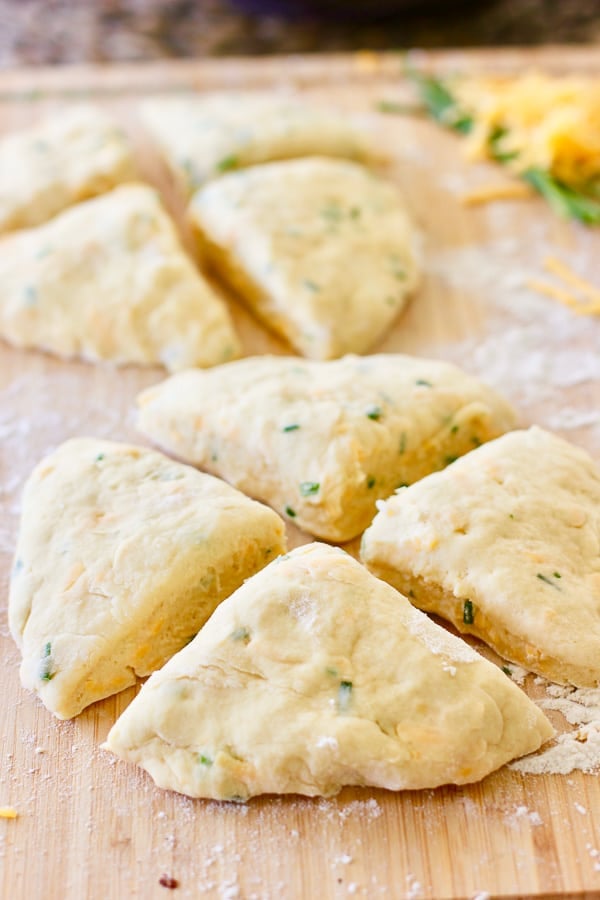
[{"x": 545, "y": 129}]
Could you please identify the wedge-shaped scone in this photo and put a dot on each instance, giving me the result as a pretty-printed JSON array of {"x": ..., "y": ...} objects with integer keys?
[
  {"x": 70, "y": 157},
  {"x": 202, "y": 136},
  {"x": 315, "y": 675},
  {"x": 122, "y": 556},
  {"x": 321, "y": 250},
  {"x": 109, "y": 280},
  {"x": 322, "y": 441},
  {"x": 506, "y": 545}
]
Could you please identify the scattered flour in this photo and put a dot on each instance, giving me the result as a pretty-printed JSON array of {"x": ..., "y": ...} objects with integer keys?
[{"x": 578, "y": 749}]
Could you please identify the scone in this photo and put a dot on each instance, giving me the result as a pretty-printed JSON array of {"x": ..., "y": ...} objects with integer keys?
[
  {"x": 200, "y": 136},
  {"x": 122, "y": 555},
  {"x": 74, "y": 155},
  {"x": 321, "y": 250},
  {"x": 315, "y": 675},
  {"x": 505, "y": 544},
  {"x": 108, "y": 280},
  {"x": 322, "y": 441}
]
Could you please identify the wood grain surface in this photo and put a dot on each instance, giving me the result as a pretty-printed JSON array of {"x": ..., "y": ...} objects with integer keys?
[{"x": 91, "y": 827}]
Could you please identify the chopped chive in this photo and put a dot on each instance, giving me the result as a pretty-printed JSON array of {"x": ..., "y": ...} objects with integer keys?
[
  {"x": 440, "y": 103},
  {"x": 240, "y": 634},
  {"x": 344, "y": 695},
  {"x": 468, "y": 613},
  {"x": 454, "y": 429},
  {"x": 99, "y": 457},
  {"x": 476, "y": 441},
  {"x": 547, "y": 580},
  {"x": 564, "y": 200},
  {"x": 507, "y": 671},
  {"x": 290, "y": 512},
  {"x": 422, "y": 382},
  {"x": 391, "y": 106},
  {"x": 557, "y": 574},
  {"x": 290, "y": 428},
  {"x": 411, "y": 594},
  {"x": 332, "y": 214},
  {"x": 30, "y": 295},
  {"x": 370, "y": 481},
  {"x": 448, "y": 460},
  {"x": 45, "y": 671},
  {"x": 308, "y": 488},
  {"x": 374, "y": 412},
  {"x": 204, "y": 760},
  {"x": 355, "y": 212},
  {"x": 401, "y": 485},
  {"x": 227, "y": 163},
  {"x": 311, "y": 285}
]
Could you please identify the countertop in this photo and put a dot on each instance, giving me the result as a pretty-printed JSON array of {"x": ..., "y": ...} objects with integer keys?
[{"x": 61, "y": 31}]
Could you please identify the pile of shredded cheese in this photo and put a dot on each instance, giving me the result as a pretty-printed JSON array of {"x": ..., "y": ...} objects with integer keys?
[
  {"x": 536, "y": 121},
  {"x": 575, "y": 292}
]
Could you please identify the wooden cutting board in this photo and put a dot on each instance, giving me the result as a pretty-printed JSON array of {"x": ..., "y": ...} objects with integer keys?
[{"x": 91, "y": 827}]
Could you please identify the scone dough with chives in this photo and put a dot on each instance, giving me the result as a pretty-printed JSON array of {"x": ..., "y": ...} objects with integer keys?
[
  {"x": 322, "y": 441},
  {"x": 122, "y": 555},
  {"x": 315, "y": 675},
  {"x": 200, "y": 136},
  {"x": 108, "y": 279},
  {"x": 321, "y": 250},
  {"x": 71, "y": 156},
  {"x": 505, "y": 543}
]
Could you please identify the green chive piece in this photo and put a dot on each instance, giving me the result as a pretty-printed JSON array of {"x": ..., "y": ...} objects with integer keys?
[
  {"x": 344, "y": 695},
  {"x": 557, "y": 574},
  {"x": 370, "y": 481},
  {"x": 287, "y": 428},
  {"x": 204, "y": 760},
  {"x": 454, "y": 429},
  {"x": 507, "y": 671},
  {"x": 374, "y": 412},
  {"x": 355, "y": 212},
  {"x": 565, "y": 201},
  {"x": 311, "y": 285},
  {"x": 468, "y": 613},
  {"x": 290, "y": 512},
  {"x": 308, "y": 488},
  {"x": 476, "y": 441},
  {"x": 99, "y": 458},
  {"x": 547, "y": 580},
  {"x": 449, "y": 460},
  {"x": 440, "y": 102},
  {"x": 227, "y": 163},
  {"x": 402, "y": 485},
  {"x": 240, "y": 634},
  {"x": 422, "y": 382},
  {"x": 45, "y": 671}
]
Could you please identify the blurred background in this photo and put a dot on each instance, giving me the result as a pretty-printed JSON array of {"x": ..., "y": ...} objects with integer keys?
[{"x": 69, "y": 31}]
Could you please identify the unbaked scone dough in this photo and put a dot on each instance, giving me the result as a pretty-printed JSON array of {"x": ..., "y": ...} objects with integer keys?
[
  {"x": 322, "y": 441},
  {"x": 122, "y": 555},
  {"x": 108, "y": 280},
  {"x": 315, "y": 675},
  {"x": 202, "y": 136},
  {"x": 505, "y": 544},
  {"x": 322, "y": 250},
  {"x": 74, "y": 155}
]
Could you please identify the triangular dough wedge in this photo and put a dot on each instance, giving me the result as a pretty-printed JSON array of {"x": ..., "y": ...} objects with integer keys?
[
  {"x": 322, "y": 441},
  {"x": 122, "y": 555},
  {"x": 108, "y": 280},
  {"x": 201, "y": 136},
  {"x": 69, "y": 157},
  {"x": 315, "y": 675},
  {"x": 505, "y": 544},
  {"x": 321, "y": 250}
]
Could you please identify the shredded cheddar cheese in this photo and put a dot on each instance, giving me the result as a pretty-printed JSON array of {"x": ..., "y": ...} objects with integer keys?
[
  {"x": 584, "y": 299},
  {"x": 535, "y": 121},
  {"x": 490, "y": 192},
  {"x": 8, "y": 812}
]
